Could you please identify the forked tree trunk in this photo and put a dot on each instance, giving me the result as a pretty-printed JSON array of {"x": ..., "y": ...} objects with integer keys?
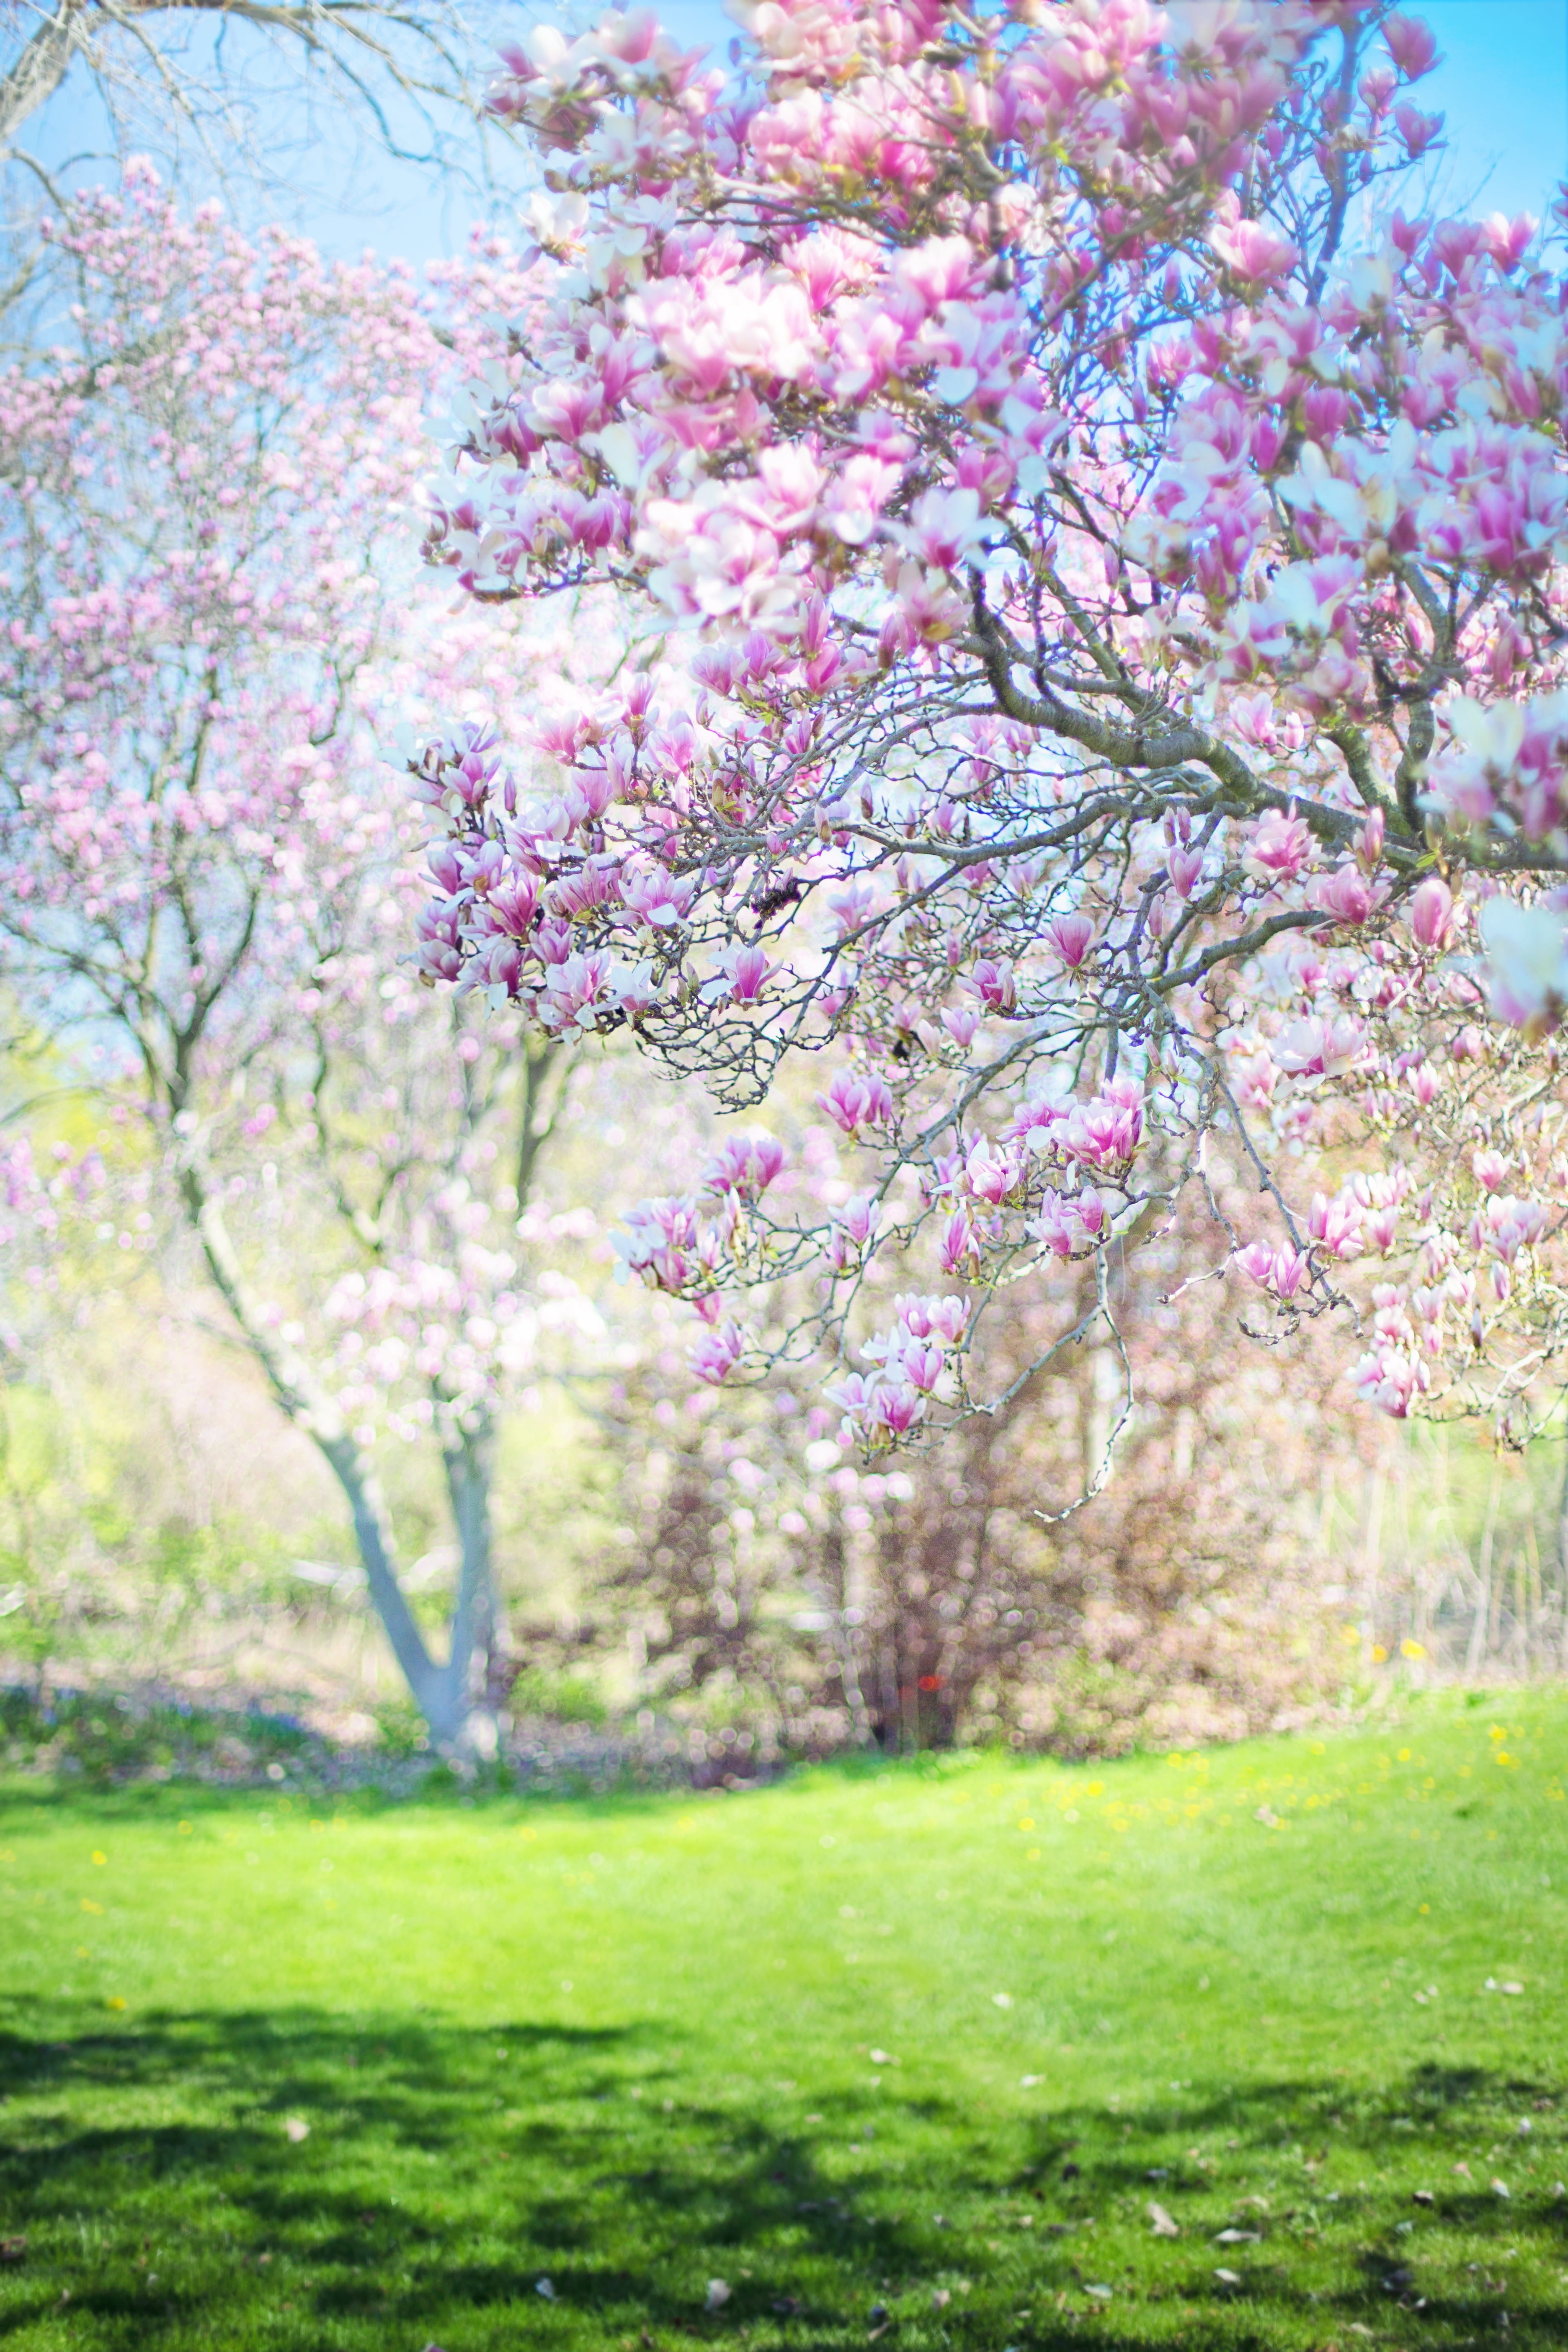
[{"x": 441, "y": 1691}]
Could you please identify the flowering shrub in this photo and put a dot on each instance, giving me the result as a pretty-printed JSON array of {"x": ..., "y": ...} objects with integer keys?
[{"x": 1102, "y": 567}]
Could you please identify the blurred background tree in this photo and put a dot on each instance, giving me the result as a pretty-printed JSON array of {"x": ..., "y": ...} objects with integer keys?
[{"x": 204, "y": 854}]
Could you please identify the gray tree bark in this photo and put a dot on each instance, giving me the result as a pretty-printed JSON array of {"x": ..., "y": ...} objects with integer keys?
[
  {"x": 439, "y": 1690},
  {"x": 42, "y": 66}
]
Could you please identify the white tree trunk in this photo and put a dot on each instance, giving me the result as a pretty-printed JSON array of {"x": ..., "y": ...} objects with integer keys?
[{"x": 441, "y": 1692}]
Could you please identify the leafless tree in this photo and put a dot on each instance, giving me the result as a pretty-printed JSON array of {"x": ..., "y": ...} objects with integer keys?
[{"x": 247, "y": 82}]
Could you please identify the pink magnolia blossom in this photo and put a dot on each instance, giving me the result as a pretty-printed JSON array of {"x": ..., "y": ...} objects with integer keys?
[
  {"x": 1106, "y": 1129},
  {"x": 1060, "y": 1227},
  {"x": 856, "y": 1099},
  {"x": 1256, "y": 252},
  {"x": 1281, "y": 1271},
  {"x": 853, "y": 1228},
  {"x": 990, "y": 1175},
  {"x": 716, "y": 1352},
  {"x": 1279, "y": 847},
  {"x": 943, "y": 1319},
  {"x": 992, "y": 982},
  {"x": 1507, "y": 1226},
  {"x": 1185, "y": 868},
  {"x": 1345, "y": 894},
  {"x": 1337, "y": 1223},
  {"x": 922, "y": 1367},
  {"x": 658, "y": 897},
  {"x": 1317, "y": 1047},
  {"x": 1411, "y": 44},
  {"x": 746, "y": 1166},
  {"x": 1391, "y": 1379},
  {"x": 1432, "y": 913},
  {"x": 1072, "y": 936},
  {"x": 739, "y": 972},
  {"x": 960, "y": 1245},
  {"x": 896, "y": 1407},
  {"x": 1527, "y": 963}
]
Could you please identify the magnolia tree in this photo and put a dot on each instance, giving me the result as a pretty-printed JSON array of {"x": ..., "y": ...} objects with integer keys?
[
  {"x": 205, "y": 859},
  {"x": 1106, "y": 540}
]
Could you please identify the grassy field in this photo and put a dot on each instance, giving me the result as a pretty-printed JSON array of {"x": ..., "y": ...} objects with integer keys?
[{"x": 1264, "y": 2047}]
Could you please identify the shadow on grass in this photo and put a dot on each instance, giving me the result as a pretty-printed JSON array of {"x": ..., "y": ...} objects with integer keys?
[
  {"x": 1425, "y": 2127},
  {"x": 443, "y": 2174},
  {"x": 446, "y": 2172}
]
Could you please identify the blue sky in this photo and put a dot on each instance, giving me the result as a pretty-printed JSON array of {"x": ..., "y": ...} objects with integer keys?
[{"x": 1503, "y": 87}]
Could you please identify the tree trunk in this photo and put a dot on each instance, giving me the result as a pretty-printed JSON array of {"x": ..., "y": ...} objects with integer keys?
[
  {"x": 372, "y": 1534},
  {"x": 40, "y": 70},
  {"x": 439, "y": 1692}
]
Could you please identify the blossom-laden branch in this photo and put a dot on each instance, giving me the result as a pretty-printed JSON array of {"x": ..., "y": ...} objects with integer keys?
[{"x": 1107, "y": 570}]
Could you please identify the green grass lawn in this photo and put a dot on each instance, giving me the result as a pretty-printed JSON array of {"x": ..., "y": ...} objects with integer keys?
[{"x": 903, "y": 2055}]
